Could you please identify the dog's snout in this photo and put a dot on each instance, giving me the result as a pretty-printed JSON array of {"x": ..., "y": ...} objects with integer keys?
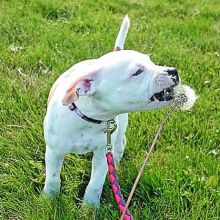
[{"x": 174, "y": 74}]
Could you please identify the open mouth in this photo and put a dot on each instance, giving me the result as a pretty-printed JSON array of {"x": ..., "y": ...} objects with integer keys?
[{"x": 164, "y": 95}]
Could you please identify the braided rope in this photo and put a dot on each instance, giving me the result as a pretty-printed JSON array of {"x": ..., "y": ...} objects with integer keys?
[{"x": 116, "y": 188}]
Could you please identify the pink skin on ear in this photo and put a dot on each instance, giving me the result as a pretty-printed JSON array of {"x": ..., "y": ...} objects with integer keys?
[
  {"x": 81, "y": 86},
  {"x": 70, "y": 95}
]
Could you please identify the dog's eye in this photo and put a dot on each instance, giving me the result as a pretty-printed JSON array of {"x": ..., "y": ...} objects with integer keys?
[{"x": 138, "y": 72}]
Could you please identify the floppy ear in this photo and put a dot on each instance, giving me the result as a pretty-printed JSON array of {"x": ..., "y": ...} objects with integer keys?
[{"x": 84, "y": 86}]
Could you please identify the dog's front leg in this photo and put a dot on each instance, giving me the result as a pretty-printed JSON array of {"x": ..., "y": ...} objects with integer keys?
[
  {"x": 53, "y": 167},
  {"x": 99, "y": 171},
  {"x": 119, "y": 148}
]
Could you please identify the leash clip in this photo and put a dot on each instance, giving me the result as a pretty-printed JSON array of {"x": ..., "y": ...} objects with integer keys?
[{"x": 111, "y": 127}]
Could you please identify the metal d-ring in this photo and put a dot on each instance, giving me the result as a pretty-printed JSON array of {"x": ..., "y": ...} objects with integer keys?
[{"x": 111, "y": 127}]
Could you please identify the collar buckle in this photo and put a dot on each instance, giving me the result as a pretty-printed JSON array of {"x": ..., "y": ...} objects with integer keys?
[{"x": 111, "y": 127}]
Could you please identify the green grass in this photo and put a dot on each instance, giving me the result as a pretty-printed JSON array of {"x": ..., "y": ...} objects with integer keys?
[{"x": 42, "y": 38}]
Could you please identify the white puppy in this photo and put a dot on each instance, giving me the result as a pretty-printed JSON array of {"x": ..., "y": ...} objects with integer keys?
[{"x": 92, "y": 92}]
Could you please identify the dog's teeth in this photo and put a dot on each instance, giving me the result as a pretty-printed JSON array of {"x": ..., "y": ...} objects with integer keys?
[{"x": 152, "y": 99}]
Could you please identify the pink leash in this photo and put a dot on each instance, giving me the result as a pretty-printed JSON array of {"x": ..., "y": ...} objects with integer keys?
[
  {"x": 113, "y": 178},
  {"x": 116, "y": 187}
]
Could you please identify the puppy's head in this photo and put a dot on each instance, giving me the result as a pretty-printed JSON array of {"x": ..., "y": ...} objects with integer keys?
[{"x": 125, "y": 81}]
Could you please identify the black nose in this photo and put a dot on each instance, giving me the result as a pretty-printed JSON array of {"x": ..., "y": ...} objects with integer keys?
[{"x": 174, "y": 73}]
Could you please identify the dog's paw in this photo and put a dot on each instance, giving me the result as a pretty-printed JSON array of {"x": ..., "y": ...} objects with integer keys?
[
  {"x": 90, "y": 203},
  {"x": 92, "y": 197},
  {"x": 51, "y": 191},
  {"x": 50, "y": 194}
]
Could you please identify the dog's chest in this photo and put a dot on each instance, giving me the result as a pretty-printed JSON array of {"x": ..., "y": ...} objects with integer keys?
[
  {"x": 87, "y": 140},
  {"x": 69, "y": 138}
]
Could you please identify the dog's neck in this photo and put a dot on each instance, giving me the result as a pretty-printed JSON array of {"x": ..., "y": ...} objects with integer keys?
[{"x": 94, "y": 109}]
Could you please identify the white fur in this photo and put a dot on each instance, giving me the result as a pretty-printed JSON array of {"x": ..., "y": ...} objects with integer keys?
[
  {"x": 112, "y": 92},
  {"x": 120, "y": 40}
]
